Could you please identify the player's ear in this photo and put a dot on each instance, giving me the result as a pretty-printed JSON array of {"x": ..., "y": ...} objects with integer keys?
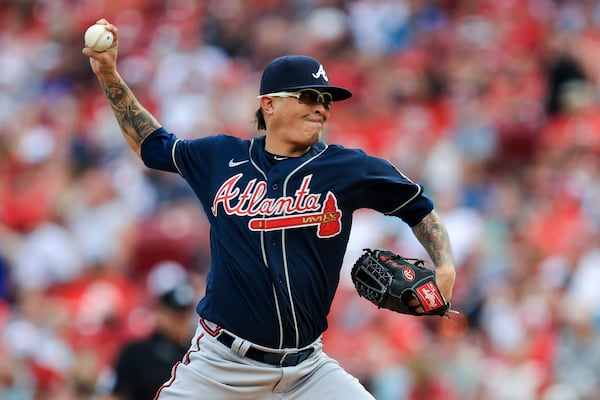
[{"x": 267, "y": 104}]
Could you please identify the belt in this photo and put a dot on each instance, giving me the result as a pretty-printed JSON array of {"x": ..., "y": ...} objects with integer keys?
[{"x": 279, "y": 359}]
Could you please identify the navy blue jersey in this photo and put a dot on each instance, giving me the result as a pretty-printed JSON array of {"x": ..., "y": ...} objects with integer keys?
[{"x": 279, "y": 226}]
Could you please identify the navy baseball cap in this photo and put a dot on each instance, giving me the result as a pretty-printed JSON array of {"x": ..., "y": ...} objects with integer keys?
[{"x": 294, "y": 72}]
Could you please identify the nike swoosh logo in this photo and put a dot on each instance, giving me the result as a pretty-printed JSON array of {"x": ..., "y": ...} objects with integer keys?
[{"x": 233, "y": 163}]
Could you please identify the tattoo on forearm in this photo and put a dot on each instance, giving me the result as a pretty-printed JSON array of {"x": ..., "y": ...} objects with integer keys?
[
  {"x": 432, "y": 234},
  {"x": 135, "y": 121}
]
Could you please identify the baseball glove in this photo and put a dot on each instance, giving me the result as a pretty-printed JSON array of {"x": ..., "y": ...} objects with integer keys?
[{"x": 390, "y": 281}]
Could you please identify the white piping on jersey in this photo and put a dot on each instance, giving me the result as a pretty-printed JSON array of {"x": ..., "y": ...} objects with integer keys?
[
  {"x": 252, "y": 160},
  {"x": 419, "y": 190},
  {"x": 283, "y": 247},
  {"x": 279, "y": 318},
  {"x": 173, "y": 156},
  {"x": 264, "y": 254}
]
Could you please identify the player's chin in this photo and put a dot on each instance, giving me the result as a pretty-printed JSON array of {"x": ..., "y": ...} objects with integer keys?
[
  {"x": 314, "y": 137},
  {"x": 309, "y": 137},
  {"x": 314, "y": 134}
]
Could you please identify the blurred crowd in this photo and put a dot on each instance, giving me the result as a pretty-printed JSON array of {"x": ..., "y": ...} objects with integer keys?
[{"x": 494, "y": 106}]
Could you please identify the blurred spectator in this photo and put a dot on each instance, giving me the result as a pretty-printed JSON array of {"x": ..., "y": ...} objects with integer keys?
[
  {"x": 577, "y": 363},
  {"x": 100, "y": 220},
  {"x": 46, "y": 257},
  {"x": 144, "y": 365}
]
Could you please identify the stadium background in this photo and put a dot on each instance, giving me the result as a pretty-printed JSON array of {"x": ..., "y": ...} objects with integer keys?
[{"x": 492, "y": 105}]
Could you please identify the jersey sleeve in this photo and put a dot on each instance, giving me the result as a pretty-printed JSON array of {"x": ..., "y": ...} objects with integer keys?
[
  {"x": 157, "y": 150},
  {"x": 164, "y": 151},
  {"x": 389, "y": 191}
]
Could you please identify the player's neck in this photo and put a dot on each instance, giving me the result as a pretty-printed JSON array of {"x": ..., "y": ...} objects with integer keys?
[{"x": 285, "y": 149}]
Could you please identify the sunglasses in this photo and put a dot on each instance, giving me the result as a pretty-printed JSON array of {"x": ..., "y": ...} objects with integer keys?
[{"x": 305, "y": 96}]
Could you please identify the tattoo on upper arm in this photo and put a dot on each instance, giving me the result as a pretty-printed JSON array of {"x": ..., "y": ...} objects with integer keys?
[
  {"x": 135, "y": 121},
  {"x": 432, "y": 234}
]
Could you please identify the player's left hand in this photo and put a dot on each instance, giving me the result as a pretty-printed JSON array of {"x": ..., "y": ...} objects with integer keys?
[
  {"x": 399, "y": 284},
  {"x": 444, "y": 278}
]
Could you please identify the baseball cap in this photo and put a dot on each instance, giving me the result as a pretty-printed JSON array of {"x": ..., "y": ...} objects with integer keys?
[
  {"x": 293, "y": 72},
  {"x": 179, "y": 298}
]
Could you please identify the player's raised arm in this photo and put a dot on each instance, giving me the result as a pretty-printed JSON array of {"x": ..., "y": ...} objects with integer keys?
[
  {"x": 432, "y": 234},
  {"x": 135, "y": 121}
]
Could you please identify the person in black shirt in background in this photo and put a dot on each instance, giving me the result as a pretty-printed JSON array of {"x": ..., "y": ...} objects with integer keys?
[{"x": 143, "y": 366}]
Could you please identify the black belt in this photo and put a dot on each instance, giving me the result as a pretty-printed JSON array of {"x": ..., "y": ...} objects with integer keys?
[{"x": 278, "y": 359}]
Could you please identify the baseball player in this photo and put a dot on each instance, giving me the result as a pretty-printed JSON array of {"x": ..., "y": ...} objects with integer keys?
[{"x": 280, "y": 208}]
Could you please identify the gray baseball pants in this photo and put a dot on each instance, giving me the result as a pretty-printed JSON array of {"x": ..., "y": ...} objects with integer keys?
[{"x": 212, "y": 371}]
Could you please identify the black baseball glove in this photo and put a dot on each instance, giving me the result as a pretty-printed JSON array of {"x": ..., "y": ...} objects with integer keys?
[{"x": 390, "y": 281}]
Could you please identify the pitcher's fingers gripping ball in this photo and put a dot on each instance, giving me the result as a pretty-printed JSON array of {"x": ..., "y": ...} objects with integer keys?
[
  {"x": 98, "y": 38},
  {"x": 391, "y": 281}
]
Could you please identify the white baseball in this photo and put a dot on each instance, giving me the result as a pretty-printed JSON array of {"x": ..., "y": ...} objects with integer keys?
[{"x": 98, "y": 38}]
